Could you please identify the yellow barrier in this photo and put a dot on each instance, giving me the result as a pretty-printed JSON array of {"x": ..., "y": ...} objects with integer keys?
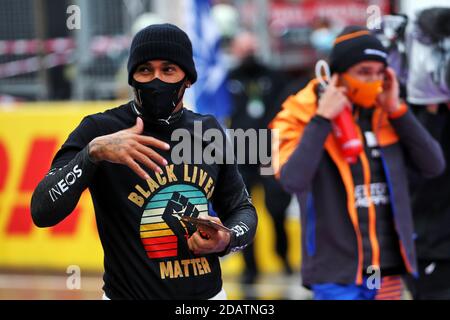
[{"x": 30, "y": 135}]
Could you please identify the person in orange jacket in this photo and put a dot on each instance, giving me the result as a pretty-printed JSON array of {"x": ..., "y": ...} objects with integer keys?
[{"x": 357, "y": 229}]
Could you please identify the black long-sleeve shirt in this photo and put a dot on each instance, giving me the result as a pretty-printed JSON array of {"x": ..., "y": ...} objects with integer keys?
[{"x": 144, "y": 241}]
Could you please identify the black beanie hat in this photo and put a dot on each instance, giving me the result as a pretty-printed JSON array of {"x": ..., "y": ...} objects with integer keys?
[
  {"x": 162, "y": 41},
  {"x": 353, "y": 45}
]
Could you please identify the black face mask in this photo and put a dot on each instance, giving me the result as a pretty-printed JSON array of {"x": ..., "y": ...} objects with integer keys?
[
  {"x": 250, "y": 64},
  {"x": 157, "y": 98}
]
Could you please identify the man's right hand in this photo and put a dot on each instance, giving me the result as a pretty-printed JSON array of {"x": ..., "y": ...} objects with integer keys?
[
  {"x": 129, "y": 147},
  {"x": 333, "y": 100}
]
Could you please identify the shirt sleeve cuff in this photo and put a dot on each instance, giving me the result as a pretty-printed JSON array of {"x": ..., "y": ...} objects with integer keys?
[{"x": 400, "y": 112}]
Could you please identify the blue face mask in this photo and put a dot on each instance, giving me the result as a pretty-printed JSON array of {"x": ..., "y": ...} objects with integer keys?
[
  {"x": 157, "y": 99},
  {"x": 322, "y": 40}
]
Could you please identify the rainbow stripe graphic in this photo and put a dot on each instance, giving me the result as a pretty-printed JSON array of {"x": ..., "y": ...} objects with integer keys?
[{"x": 157, "y": 237}]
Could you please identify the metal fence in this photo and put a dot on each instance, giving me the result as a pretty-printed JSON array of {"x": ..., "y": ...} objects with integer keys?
[
  {"x": 41, "y": 58},
  {"x": 89, "y": 63},
  {"x": 17, "y": 21}
]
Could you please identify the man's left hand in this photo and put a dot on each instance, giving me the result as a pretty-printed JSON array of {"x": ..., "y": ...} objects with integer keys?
[
  {"x": 208, "y": 240},
  {"x": 389, "y": 99}
]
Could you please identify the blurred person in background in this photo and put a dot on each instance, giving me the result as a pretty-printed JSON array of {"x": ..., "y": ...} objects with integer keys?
[
  {"x": 226, "y": 18},
  {"x": 431, "y": 209},
  {"x": 422, "y": 51},
  {"x": 428, "y": 85},
  {"x": 254, "y": 89},
  {"x": 322, "y": 36},
  {"x": 357, "y": 228},
  {"x": 123, "y": 156}
]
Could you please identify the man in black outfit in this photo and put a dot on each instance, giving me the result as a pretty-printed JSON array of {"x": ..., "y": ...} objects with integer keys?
[{"x": 140, "y": 194}]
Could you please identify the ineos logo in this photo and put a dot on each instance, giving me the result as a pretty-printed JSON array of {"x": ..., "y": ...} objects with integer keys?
[{"x": 64, "y": 184}]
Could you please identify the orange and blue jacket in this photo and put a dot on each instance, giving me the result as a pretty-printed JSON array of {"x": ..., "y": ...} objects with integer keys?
[{"x": 310, "y": 164}]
